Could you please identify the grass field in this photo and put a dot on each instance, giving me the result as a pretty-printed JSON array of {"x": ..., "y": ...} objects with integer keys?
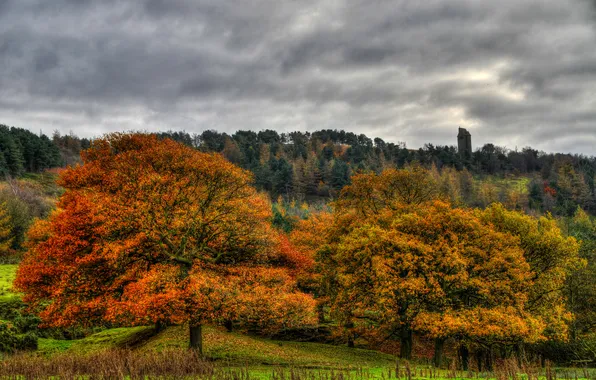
[
  {"x": 7, "y": 275},
  {"x": 228, "y": 347}
]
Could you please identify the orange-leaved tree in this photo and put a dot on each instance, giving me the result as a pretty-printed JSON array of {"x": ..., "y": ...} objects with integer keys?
[
  {"x": 151, "y": 231},
  {"x": 308, "y": 237}
]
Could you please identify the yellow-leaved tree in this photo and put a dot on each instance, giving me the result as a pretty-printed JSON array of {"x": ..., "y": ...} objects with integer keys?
[{"x": 399, "y": 260}]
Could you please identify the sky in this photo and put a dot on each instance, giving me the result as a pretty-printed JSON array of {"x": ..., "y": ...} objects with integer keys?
[{"x": 515, "y": 73}]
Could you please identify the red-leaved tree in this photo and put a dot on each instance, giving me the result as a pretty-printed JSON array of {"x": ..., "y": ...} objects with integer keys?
[{"x": 151, "y": 231}]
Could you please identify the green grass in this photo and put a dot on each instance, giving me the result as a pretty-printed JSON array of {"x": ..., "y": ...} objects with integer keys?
[
  {"x": 107, "y": 339},
  {"x": 518, "y": 183},
  {"x": 227, "y": 347},
  {"x": 7, "y": 275},
  {"x": 240, "y": 348}
]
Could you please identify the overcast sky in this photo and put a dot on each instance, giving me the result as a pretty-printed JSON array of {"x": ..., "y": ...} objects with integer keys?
[{"x": 513, "y": 72}]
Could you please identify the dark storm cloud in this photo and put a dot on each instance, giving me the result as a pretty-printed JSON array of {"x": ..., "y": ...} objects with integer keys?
[{"x": 514, "y": 73}]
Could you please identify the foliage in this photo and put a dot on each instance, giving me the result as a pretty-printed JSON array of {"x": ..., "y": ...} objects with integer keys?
[
  {"x": 155, "y": 232},
  {"x": 370, "y": 194},
  {"x": 11, "y": 340},
  {"x": 70, "y": 147},
  {"x": 24, "y": 200},
  {"x": 580, "y": 289},
  {"x": 580, "y": 294},
  {"x": 307, "y": 165}
]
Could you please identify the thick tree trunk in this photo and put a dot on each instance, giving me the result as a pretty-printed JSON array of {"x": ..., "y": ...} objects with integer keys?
[
  {"x": 159, "y": 326},
  {"x": 229, "y": 325},
  {"x": 464, "y": 355},
  {"x": 405, "y": 340},
  {"x": 438, "y": 357},
  {"x": 196, "y": 338}
]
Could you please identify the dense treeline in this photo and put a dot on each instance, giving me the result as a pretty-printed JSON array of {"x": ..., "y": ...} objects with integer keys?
[
  {"x": 303, "y": 165},
  {"x": 23, "y": 151},
  {"x": 314, "y": 167}
]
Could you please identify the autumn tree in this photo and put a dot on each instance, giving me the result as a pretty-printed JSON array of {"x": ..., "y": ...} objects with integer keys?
[
  {"x": 552, "y": 256},
  {"x": 404, "y": 261},
  {"x": 370, "y": 194},
  {"x": 151, "y": 231},
  {"x": 308, "y": 237},
  {"x": 436, "y": 270}
]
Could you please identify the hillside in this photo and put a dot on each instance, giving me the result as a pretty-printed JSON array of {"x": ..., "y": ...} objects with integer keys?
[{"x": 224, "y": 346}]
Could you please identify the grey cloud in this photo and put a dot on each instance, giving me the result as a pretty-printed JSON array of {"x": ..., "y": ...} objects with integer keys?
[{"x": 512, "y": 72}]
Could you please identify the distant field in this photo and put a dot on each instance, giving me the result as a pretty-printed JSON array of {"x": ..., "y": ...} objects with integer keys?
[
  {"x": 7, "y": 275},
  {"x": 519, "y": 183}
]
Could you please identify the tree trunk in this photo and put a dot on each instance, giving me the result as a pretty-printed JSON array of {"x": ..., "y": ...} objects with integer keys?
[
  {"x": 464, "y": 354},
  {"x": 159, "y": 326},
  {"x": 479, "y": 360},
  {"x": 196, "y": 338},
  {"x": 489, "y": 359},
  {"x": 438, "y": 357},
  {"x": 321, "y": 312},
  {"x": 350, "y": 341},
  {"x": 520, "y": 353},
  {"x": 350, "y": 334},
  {"x": 229, "y": 325},
  {"x": 405, "y": 340}
]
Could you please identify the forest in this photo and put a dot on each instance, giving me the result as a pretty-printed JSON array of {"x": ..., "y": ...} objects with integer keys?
[{"x": 298, "y": 241}]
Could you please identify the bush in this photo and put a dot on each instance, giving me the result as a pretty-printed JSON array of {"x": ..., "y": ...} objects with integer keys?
[
  {"x": 12, "y": 340},
  {"x": 569, "y": 353}
]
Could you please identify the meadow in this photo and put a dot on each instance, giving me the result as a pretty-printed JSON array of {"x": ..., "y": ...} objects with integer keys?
[{"x": 7, "y": 275}]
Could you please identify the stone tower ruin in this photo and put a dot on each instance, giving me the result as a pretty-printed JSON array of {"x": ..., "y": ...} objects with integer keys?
[{"x": 464, "y": 142}]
